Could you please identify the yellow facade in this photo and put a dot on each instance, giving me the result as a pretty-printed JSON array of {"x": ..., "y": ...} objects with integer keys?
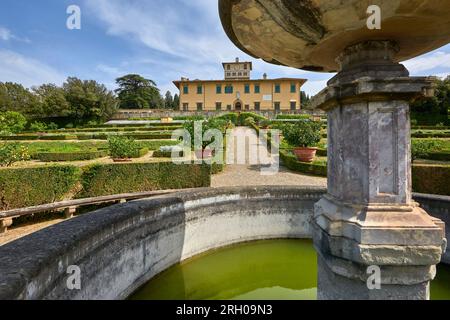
[
  {"x": 281, "y": 94},
  {"x": 240, "y": 95}
]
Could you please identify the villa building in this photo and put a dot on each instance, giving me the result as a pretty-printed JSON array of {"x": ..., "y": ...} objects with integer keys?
[{"x": 238, "y": 92}]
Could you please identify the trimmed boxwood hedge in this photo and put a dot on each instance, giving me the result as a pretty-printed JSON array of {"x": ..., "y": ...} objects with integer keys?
[
  {"x": 140, "y": 153},
  {"x": 69, "y": 156},
  {"x": 291, "y": 162},
  {"x": 432, "y": 179},
  {"x": 25, "y": 187},
  {"x": 109, "y": 179}
]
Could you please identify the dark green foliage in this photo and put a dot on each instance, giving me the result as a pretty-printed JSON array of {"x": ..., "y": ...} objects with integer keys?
[
  {"x": 290, "y": 161},
  {"x": 100, "y": 180},
  {"x": 136, "y": 92},
  {"x": 302, "y": 133},
  {"x": 14, "y": 97},
  {"x": 122, "y": 147},
  {"x": 13, "y": 152},
  {"x": 69, "y": 156},
  {"x": 11, "y": 122},
  {"x": 25, "y": 187}
]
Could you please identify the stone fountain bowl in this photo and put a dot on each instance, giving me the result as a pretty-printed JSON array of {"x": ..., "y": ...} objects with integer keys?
[{"x": 310, "y": 34}]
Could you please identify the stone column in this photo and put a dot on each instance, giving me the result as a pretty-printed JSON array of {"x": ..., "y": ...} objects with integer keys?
[{"x": 368, "y": 217}]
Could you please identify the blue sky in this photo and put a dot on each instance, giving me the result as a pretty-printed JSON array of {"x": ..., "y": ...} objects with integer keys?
[{"x": 161, "y": 39}]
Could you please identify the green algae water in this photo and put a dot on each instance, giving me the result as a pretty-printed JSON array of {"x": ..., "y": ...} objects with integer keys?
[{"x": 261, "y": 270}]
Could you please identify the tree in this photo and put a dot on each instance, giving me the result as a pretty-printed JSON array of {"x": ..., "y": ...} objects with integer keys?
[
  {"x": 14, "y": 97},
  {"x": 136, "y": 92},
  {"x": 168, "y": 101},
  {"x": 89, "y": 99},
  {"x": 439, "y": 103},
  {"x": 176, "y": 102},
  {"x": 12, "y": 122},
  {"x": 53, "y": 100}
]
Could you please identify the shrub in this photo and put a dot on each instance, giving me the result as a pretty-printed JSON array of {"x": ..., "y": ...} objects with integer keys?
[
  {"x": 291, "y": 162},
  {"x": 217, "y": 123},
  {"x": 244, "y": 115},
  {"x": 229, "y": 117},
  {"x": 431, "y": 179},
  {"x": 421, "y": 149},
  {"x": 13, "y": 152},
  {"x": 38, "y": 127},
  {"x": 122, "y": 147},
  {"x": 166, "y": 152},
  {"x": 52, "y": 126},
  {"x": 302, "y": 134},
  {"x": 11, "y": 122},
  {"x": 69, "y": 156},
  {"x": 69, "y": 126},
  {"x": 109, "y": 179},
  {"x": 249, "y": 121},
  {"x": 25, "y": 187}
]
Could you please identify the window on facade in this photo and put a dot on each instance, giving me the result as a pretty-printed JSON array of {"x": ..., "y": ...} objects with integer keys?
[
  {"x": 218, "y": 106},
  {"x": 199, "y": 106},
  {"x": 185, "y": 106},
  {"x": 240, "y": 74},
  {"x": 186, "y": 89},
  {"x": 229, "y": 107},
  {"x": 228, "y": 74},
  {"x": 293, "y": 105},
  {"x": 257, "y": 106},
  {"x": 229, "y": 89},
  {"x": 218, "y": 89},
  {"x": 277, "y": 106},
  {"x": 293, "y": 88},
  {"x": 247, "y": 107},
  {"x": 228, "y": 67},
  {"x": 234, "y": 74},
  {"x": 245, "y": 66},
  {"x": 247, "y": 88},
  {"x": 277, "y": 88},
  {"x": 257, "y": 88},
  {"x": 199, "y": 89}
]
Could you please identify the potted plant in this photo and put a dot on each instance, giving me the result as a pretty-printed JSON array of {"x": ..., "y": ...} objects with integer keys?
[
  {"x": 204, "y": 152},
  {"x": 122, "y": 149},
  {"x": 303, "y": 136}
]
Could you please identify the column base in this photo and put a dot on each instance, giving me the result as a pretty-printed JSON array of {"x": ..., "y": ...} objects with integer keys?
[{"x": 332, "y": 286}]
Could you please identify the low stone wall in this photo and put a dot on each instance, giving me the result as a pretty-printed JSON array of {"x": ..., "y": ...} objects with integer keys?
[
  {"x": 121, "y": 247},
  {"x": 438, "y": 207}
]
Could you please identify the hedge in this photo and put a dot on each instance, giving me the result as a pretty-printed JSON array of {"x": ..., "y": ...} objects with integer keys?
[
  {"x": 165, "y": 154},
  {"x": 291, "y": 162},
  {"x": 25, "y": 187},
  {"x": 432, "y": 179},
  {"x": 435, "y": 134},
  {"x": 139, "y": 153},
  {"x": 69, "y": 156},
  {"x": 109, "y": 179}
]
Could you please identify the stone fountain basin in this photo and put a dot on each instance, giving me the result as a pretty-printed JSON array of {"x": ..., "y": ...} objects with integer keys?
[
  {"x": 310, "y": 34},
  {"x": 122, "y": 247}
]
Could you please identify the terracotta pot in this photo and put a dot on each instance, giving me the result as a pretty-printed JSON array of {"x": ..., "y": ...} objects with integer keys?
[
  {"x": 305, "y": 154},
  {"x": 203, "y": 154}
]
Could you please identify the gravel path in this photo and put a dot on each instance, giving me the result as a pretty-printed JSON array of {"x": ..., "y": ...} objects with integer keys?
[{"x": 250, "y": 175}]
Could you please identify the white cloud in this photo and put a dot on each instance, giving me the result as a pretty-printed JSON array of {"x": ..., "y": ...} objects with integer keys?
[
  {"x": 5, "y": 34},
  {"x": 27, "y": 71},
  {"x": 428, "y": 62}
]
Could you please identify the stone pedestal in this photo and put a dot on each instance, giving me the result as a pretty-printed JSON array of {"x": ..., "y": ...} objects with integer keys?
[{"x": 368, "y": 217}]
